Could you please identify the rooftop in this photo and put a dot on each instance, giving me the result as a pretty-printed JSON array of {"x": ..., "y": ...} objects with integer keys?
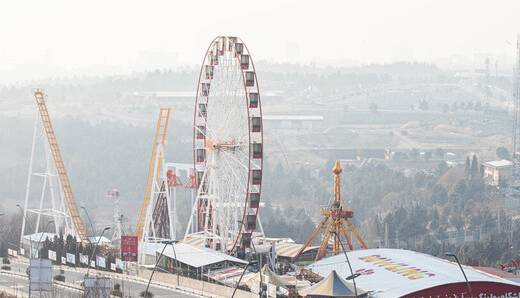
[
  {"x": 499, "y": 163},
  {"x": 290, "y": 250},
  {"x": 196, "y": 256},
  {"x": 397, "y": 273},
  {"x": 37, "y": 236}
]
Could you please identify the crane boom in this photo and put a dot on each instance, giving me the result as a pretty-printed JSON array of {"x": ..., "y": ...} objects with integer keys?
[
  {"x": 60, "y": 166},
  {"x": 154, "y": 169}
]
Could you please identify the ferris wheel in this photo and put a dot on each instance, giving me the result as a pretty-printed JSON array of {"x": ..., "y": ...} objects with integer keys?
[{"x": 228, "y": 147}]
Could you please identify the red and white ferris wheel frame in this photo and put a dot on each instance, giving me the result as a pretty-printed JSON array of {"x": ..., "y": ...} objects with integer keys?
[{"x": 252, "y": 105}]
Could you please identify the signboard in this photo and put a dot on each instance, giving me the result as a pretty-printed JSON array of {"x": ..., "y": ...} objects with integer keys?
[
  {"x": 14, "y": 253},
  {"x": 83, "y": 259},
  {"x": 92, "y": 264},
  {"x": 112, "y": 266},
  {"x": 100, "y": 262},
  {"x": 40, "y": 275},
  {"x": 129, "y": 248},
  {"x": 63, "y": 260},
  {"x": 71, "y": 258},
  {"x": 120, "y": 264},
  {"x": 52, "y": 255}
]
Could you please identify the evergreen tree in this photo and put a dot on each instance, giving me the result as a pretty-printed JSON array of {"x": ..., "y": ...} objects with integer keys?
[
  {"x": 475, "y": 167},
  {"x": 467, "y": 166},
  {"x": 442, "y": 167}
]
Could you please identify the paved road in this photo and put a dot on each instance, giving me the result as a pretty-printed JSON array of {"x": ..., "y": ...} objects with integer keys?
[
  {"x": 130, "y": 288},
  {"x": 17, "y": 285}
]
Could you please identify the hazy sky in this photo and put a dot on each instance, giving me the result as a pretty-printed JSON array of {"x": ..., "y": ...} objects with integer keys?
[{"x": 65, "y": 37}]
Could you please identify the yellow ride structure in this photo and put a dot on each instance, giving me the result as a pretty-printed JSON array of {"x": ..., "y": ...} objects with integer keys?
[
  {"x": 79, "y": 227},
  {"x": 337, "y": 221},
  {"x": 154, "y": 169}
]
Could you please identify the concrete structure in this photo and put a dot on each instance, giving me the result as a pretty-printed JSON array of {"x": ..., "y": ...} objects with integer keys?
[
  {"x": 403, "y": 273},
  {"x": 498, "y": 172}
]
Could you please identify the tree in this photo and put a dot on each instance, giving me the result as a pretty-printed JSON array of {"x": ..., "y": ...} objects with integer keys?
[
  {"x": 423, "y": 105},
  {"x": 475, "y": 167},
  {"x": 467, "y": 167},
  {"x": 439, "y": 194},
  {"x": 503, "y": 153},
  {"x": 442, "y": 167},
  {"x": 439, "y": 152},
  {"x": 454, "y": 107},
  {"x": 459, "y": 190},
  {"x": 427, "y": 155},
  {"x": 414, "y": 154}
]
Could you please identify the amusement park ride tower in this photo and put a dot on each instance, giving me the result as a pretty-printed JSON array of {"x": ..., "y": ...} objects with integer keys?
[
  {"x": 337, "y": 220},
  {"x": 56, "y": 199}
]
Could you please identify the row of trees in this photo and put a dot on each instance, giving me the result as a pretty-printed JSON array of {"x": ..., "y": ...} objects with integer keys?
[{"x": 431, "y": 210}]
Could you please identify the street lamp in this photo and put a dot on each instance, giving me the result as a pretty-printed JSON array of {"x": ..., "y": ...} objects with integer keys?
[
  {"x": 166, "y": 243},
  {"x": 95, "y": 247},
  {"x": 41, "y": 236},
  {"x": 352, "y": 275},
  {"x": 242, "y": 275},
  {"x": 355, "y": 275},
  {"x": 89, "y": 221},
  {"x": 261, "y": 290},
  {"x": 449, "y": 254}
]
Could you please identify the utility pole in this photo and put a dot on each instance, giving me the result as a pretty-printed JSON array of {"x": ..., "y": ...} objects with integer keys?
[{"x": 386, "y": 235}]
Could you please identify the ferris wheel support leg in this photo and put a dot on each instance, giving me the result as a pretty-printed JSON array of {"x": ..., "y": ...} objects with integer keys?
[
  {"x": 191, "y": 220},
  {"x": 209, "y": 208},
  {"x": 28, "y": 186},
  {"x": 260, "y": 224},
  {"x": 169, "y": 207},
  {"x": 193, "y": 213}
]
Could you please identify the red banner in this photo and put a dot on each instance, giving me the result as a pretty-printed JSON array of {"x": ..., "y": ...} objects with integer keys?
[{"x": 129, "y": 248}]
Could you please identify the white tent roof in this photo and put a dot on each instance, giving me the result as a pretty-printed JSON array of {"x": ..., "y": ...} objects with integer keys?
[
  {"x": 37, "y": 236},
  {"x": 332, "y": 286},
  {"x": 103, "y": 240},
  {"x": 196, "y": 256},
  {"x": 397, "y": 272}
]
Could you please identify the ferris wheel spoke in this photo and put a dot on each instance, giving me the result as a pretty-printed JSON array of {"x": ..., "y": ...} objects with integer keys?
[{"x": 237, "y": 160}]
